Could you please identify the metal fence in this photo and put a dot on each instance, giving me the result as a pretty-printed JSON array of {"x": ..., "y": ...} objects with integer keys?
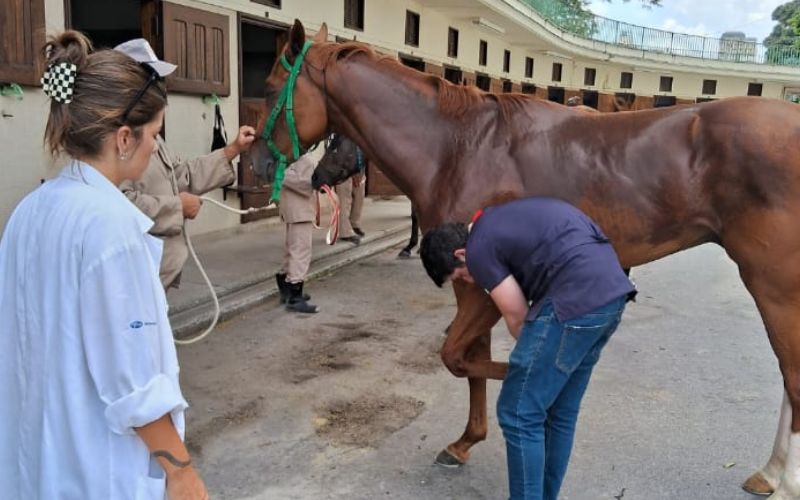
[{"x": 601, "y": 29}]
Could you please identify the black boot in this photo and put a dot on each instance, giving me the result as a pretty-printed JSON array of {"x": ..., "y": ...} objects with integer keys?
[
  {"x": 355, "y": 239},
  {"x": 297, "y": 302},
  {"x": 283, "y": 288}
]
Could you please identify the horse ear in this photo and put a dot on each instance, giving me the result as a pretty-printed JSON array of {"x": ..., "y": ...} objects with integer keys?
[
  {"x": 322, "y": 34},
  {"x": 297, "y": 38}
]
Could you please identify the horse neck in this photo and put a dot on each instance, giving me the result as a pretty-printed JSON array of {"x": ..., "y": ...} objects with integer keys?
[{"x": 387, "y": 113}]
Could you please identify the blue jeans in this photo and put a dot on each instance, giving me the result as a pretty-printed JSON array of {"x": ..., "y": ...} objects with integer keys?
[{"x": 548, "y": 372}]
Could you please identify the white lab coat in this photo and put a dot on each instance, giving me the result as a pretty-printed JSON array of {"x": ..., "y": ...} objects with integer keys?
[{"x": 86, "y": 350}]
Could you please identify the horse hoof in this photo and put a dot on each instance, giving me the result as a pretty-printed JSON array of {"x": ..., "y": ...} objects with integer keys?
[
  {"x": 757, "y": 485},
  {"x": 447, "y": 459},
  {"x": 404, "y": 254}
]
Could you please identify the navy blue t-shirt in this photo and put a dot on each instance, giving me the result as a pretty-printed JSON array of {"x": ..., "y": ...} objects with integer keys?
[{"x": 552, "y": 249}]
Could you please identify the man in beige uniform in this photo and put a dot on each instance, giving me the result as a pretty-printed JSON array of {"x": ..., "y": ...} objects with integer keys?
[
  {"x": 297, "y": 211},
  {"x": 168, "y": 193},
  {"x": 351, "y": 200}
]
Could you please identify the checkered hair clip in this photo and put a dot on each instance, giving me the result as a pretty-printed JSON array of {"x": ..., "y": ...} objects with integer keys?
[{"x": 58, "y": 81}]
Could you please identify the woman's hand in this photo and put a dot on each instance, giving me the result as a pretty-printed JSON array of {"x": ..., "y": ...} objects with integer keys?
[
  {"x": 165, "y": 444},
  {"x": 185, "y": 484}
]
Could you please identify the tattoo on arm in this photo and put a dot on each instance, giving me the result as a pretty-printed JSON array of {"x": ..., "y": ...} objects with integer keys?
[{"x": 171, "y": 459}]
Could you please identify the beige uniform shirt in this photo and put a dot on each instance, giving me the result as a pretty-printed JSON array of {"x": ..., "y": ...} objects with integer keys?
[{"x": 156, "y": 194}]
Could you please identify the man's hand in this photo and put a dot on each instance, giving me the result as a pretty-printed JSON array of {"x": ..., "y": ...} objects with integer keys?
[
  {"x": 244, "y": 139},
  {"x": 185, "y": 484},
  {"x": 510, "y": 300},
  {"x": 191, "y": 204}
]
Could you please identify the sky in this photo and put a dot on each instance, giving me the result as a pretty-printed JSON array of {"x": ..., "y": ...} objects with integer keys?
[{"x": 696, "y": 17}]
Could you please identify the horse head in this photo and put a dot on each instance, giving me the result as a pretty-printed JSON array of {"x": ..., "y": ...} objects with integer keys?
[
  {"x": 296, "y": 113},
  {"x": 340, "y": 162}
]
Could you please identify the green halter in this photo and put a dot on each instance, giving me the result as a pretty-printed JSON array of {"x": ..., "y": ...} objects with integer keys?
[{"x": 286, "y": 98}]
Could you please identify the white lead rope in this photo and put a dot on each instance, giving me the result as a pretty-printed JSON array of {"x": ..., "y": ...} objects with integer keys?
[
  {"x": 333, "y": 233},
  {"x": 214, "y": 297}
]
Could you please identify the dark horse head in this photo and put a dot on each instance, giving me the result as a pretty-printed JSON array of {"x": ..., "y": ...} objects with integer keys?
[
  {"x": 311, "y": 124},
  {"x": 341, "y": 161}
]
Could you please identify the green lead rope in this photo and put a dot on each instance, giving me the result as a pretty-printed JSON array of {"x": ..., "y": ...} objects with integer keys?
[{"x": 286, "y": 99}]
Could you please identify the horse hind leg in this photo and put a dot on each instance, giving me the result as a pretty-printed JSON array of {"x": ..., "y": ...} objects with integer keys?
[
  {"x": 766, "y": 480},
  {"x": 772, "y": 275}
]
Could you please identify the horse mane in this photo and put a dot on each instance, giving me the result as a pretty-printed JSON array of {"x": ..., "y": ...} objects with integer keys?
[{"x": 454, "y": 101}]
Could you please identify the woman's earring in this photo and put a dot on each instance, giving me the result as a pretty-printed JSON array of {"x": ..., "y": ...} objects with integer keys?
[{"x": 123, "y": 156}]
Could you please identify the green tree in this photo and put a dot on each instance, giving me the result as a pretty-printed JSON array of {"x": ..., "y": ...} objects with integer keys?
[
  {"x": 785, "y": 33},
  {"x": 784, "y": 41},
  {"x": 574, "y": 16}
]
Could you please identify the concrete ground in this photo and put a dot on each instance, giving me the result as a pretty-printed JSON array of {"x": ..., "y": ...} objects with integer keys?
[
  {"x": 353, "y": 403},
  {"x": 241, "y": 262}
]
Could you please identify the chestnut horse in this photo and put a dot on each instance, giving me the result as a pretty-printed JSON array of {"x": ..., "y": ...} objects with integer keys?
[{"x": 657, "y": 181}]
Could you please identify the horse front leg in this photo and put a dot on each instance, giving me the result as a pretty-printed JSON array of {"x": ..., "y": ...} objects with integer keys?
[
  {"x": 405, "y": 253},
  {"x": 467, "y": 353}
]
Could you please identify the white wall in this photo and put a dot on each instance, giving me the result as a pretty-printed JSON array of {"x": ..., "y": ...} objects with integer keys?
[{"x": 24, "y": 160}]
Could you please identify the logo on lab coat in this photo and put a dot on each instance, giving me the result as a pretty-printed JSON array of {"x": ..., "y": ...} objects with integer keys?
[{"x": 135, "y": 325}]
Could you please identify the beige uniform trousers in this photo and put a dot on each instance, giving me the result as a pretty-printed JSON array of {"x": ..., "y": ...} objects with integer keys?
[
  {"x": 297, "y": 251},
  {"x": 351, "y": 202}
]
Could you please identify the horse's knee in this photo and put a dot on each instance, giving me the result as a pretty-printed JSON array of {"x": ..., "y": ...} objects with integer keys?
[
  {"x": 454, "y": 361},
  {"x": 477, "y": 432}
]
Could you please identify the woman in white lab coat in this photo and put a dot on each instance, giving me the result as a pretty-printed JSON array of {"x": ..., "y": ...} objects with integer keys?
[{"x": 91, "y": 404}]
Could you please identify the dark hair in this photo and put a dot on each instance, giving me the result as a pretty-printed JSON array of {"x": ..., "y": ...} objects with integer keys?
[
  {"x": 106, "y": 83},
  {"x": 437, "y": 248}
]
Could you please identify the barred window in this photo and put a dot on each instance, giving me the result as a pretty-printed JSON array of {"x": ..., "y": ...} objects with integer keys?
[
  {"x": 354, "y": 14},
  {"x": 665, "y": 84},
  {"x": 626, "y": 80},
  {"x": 452, "y": 42},
  {"x": 557, "y": 70},
  {"x": 589, "y": 76},
  {"x": 709, "y": 87},
  {"x": 412, "y": 28}
]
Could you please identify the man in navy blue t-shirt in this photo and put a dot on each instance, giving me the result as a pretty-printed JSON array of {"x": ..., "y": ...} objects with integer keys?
[{"x": 557, "y": 282}]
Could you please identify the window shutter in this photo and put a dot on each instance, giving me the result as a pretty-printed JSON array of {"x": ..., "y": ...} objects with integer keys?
[
  {"x": 22, "y": 35},
  {"x": 197, "y": 41}
]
